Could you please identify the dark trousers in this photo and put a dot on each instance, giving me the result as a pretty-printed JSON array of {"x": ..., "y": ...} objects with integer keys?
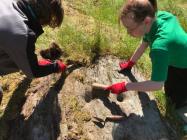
[{"x": 176, "y": 86}]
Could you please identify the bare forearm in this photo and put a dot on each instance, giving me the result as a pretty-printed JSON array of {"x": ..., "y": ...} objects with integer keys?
[
  {"x": 145, "y": 86},
  {"x": 139, "y": 51}
]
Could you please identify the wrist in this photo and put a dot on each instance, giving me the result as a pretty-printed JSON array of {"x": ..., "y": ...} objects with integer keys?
[
  {"x": 131, "y": 63},
  {"x": 127, "y": 85},
  {"x": 61, "y": 67}
]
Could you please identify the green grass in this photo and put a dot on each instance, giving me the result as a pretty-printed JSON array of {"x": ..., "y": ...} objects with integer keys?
[
  {"x": 95, "y": 31},
  {"x": 80, "y": 45},
  {"x": 105, "y": 10},
  {"x": 91, "y": 29},
  {"x": 176, "y": 7},
  {"x": 108, "y": 38}
]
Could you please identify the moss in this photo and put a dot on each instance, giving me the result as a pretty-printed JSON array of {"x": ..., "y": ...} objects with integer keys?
[
  {"x": 75, "y": 114},
  {"x": 79, "y": 77},
  {"x": 89, "y": 29},
  {"x": 82, "y": 116}
]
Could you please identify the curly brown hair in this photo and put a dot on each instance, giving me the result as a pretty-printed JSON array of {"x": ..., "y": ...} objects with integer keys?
[{"x": 49, "y": 12}]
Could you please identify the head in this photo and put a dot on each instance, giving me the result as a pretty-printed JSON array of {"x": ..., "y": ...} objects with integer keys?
[
  {"x": 49, "y": 12},
  {"x": 137, "y": 16}
]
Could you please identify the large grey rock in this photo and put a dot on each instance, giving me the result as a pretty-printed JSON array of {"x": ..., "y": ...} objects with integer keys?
[{"x": 53, "y": 109}]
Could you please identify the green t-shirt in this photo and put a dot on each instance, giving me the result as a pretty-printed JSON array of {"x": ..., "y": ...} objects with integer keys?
[{"x": 168, "y": 45}]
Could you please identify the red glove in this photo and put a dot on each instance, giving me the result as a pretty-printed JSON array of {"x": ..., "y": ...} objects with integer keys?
[
  {"x": 44, "y": 62},
  {"x": 126, "y": 65},
  {"x": 117, "y": 88},
  {"x": 61, "y": 66}
]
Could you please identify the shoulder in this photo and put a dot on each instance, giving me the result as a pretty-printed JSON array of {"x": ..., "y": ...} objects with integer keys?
[
  {"x": 163, "y": 17},
  {"x": 160, "y": 14}
]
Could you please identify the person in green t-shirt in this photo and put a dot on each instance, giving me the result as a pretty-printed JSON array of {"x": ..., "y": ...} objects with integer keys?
[{"x": 167, "y": 40}]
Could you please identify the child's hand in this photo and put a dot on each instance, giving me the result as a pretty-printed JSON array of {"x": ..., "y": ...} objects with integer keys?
[
  {"x": 44, "y": 62},
  {"x": 117, "y": 88},
  {"x": 61, "y": 66},
  {"x": 126, "y": 65}
]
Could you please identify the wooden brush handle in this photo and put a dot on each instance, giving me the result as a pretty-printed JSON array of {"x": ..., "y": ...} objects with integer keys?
[
  {"x": 115, "y": 118},
  {"x": 99, "y": 86}
]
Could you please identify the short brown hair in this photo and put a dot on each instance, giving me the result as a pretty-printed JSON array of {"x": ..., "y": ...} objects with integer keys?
[
  {"x": 49, "y": 12},
  {"x": 139, "y": 9}
]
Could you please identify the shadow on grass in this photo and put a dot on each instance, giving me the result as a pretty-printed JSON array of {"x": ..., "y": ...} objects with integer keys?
[
  {"x": 44, "y": 122},
  {"x": 13, "y": 108}
]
